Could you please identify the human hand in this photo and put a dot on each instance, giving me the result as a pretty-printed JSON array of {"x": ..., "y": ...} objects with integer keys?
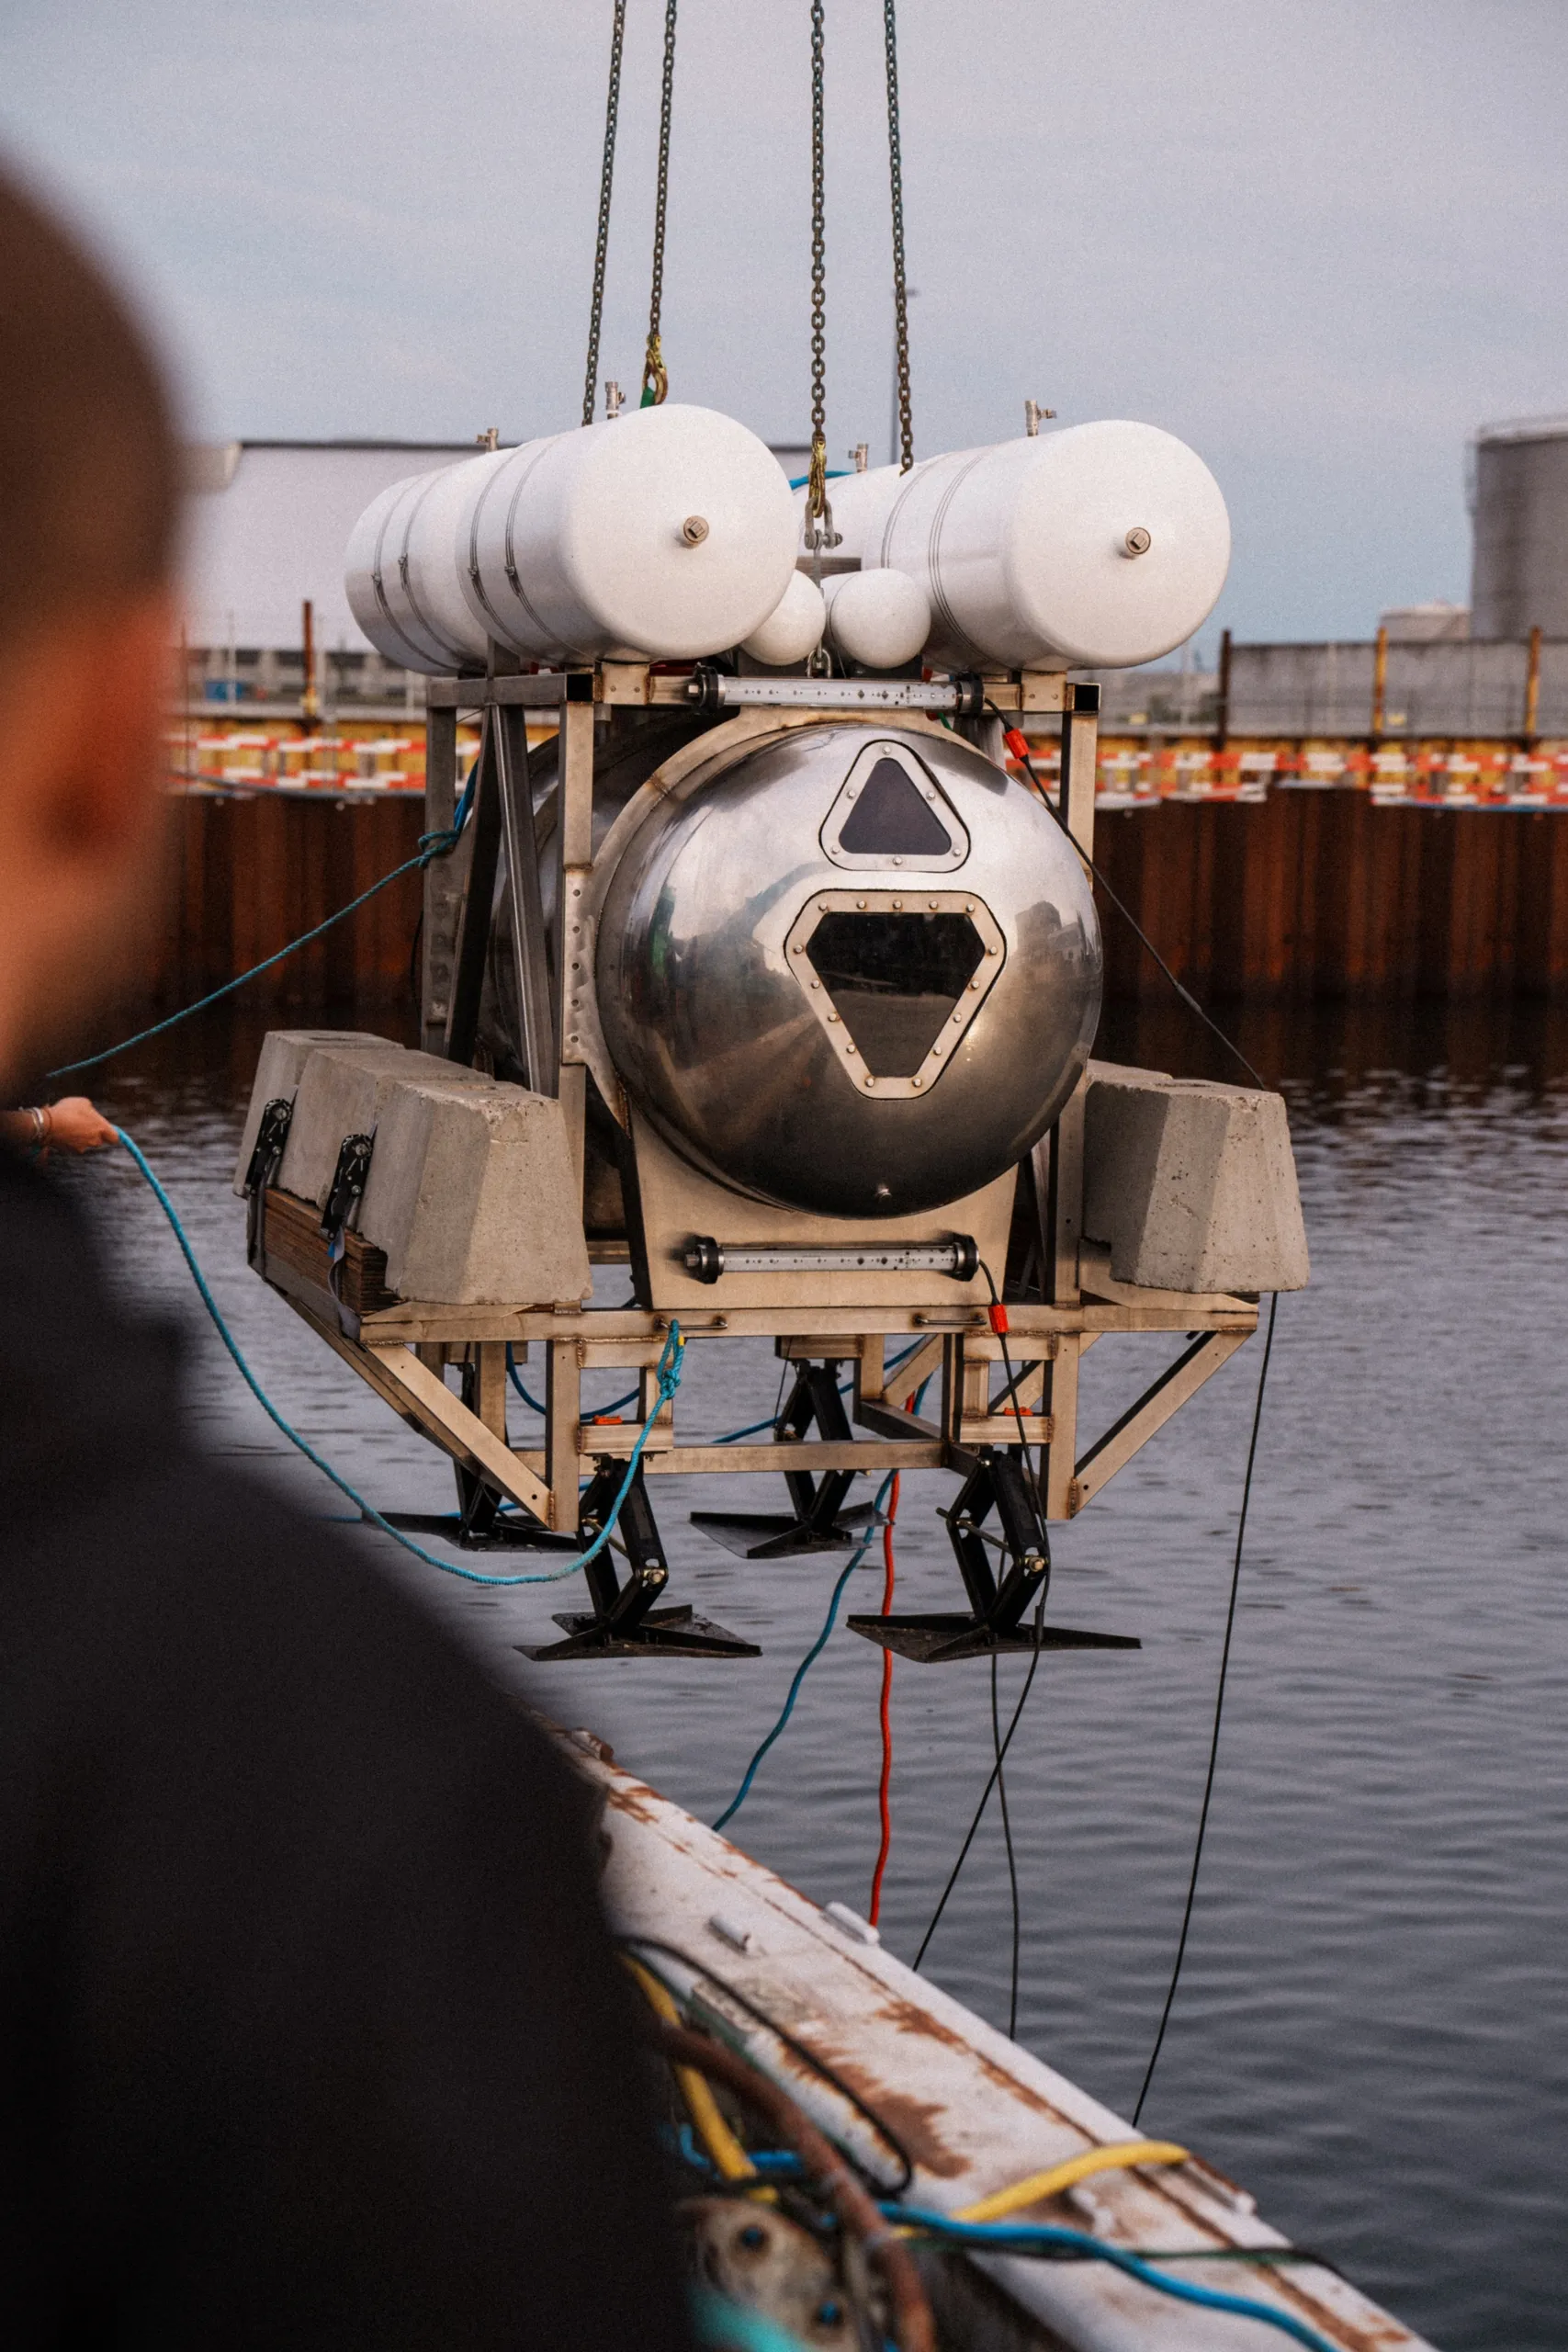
[{"x": 73, "y": 1124}]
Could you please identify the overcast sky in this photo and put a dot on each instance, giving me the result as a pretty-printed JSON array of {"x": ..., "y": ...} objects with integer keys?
[{"x": 1321, "y": 242}]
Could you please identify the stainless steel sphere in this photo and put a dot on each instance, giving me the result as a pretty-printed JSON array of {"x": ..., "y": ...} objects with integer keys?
[{"x": 857, "y": 972}]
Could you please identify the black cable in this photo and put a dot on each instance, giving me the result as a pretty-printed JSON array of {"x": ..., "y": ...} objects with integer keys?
[
  {"x": 1011, "y": 1396},
  {"x": 1127, "y": 915},
  {"x": 1232, "y": 1047},
  {"x": 991, "y": 1782},
  {"x": 1219, "y": 1709},
  {"x": 1012, "y": 1858}
]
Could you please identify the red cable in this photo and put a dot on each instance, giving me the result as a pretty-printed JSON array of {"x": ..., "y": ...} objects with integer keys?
[{"x": 882, "y": 1796}]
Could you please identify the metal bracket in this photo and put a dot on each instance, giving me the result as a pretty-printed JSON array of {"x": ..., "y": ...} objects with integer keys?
[
  {"x": 346, "y": 1190},
  {"x": 266, "y": 1158}
]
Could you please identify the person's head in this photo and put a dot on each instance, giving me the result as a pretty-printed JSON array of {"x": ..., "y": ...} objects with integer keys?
[{"x": 88, "y": 506}]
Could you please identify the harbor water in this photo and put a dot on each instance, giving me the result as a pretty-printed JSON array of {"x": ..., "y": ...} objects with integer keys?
[{"x": 1368, "y": 2030}]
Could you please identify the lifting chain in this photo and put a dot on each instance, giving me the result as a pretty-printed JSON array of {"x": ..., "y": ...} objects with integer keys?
[
  {"x": 819, "y": 531},
  {"x": 900, "y": 288},
  {"x": 601, "y": 250},
  {"x": 655, "y": 382}
]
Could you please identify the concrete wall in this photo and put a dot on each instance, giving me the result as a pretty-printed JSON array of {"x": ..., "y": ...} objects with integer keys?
[{"x": 1442, "y": 689}]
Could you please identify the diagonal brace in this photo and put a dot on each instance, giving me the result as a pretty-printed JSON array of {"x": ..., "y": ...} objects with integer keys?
[{"x": 1164, "y": 1397}]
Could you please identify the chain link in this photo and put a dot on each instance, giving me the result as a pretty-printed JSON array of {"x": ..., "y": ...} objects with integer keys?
[
  {"x": 655, "y": 382},
  {"x": 819, "y": 531},
  {"x": 901, "y": 288},
  {"x": 600, "y": 250}
]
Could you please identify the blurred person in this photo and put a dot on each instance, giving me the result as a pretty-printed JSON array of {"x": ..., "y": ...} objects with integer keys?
[{"x": 311, "y": 2030}]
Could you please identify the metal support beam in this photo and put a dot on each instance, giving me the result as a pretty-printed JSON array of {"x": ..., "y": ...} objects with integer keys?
[
  {"x": 478, "y": 893},
  {"x": 1181, "y": 1381},
  {"x": 426, "y": 1399},
  {"x": 508, "y": 732},
  {"x": 443, "y": 879}
]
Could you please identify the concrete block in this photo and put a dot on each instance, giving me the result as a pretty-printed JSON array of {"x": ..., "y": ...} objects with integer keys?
[
  {"x": 343, "y": 1090},
  {"x": 283, "y": 1054},
  {"x": 472, "y": 1194},
  {"x": 1193, "y": 1185}
]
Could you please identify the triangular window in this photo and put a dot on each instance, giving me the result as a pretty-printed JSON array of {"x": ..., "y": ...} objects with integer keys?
[{"x": 891, "y": 818}]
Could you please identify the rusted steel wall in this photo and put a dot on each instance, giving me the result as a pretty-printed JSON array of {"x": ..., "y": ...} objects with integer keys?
[
  {"x": 252, "y": 871},
  {"x": 1303, "y": 895},
  {"x": 1322, "y": 894}
]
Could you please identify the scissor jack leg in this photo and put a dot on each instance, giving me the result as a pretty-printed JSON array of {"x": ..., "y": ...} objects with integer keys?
[
  {"x": 998, "y": 1604},
  {"x": 819, "y": 1521},
  {"x": 623, "y": 1622}
]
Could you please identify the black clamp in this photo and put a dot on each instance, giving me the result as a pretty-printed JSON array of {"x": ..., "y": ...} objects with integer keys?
[
  {"x": 266, "y": 1158},
  {"x": 343, "y": 1196}
]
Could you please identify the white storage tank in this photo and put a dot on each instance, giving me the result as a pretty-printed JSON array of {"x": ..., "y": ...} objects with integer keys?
[
  {"x": 1103, "y": 545},
  {"x": 665, "y": 534},
  {"x": 402, "y": 573}
]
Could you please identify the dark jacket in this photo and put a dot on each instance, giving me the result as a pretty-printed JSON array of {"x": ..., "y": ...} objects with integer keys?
[{"x": 310, "y": 2030}]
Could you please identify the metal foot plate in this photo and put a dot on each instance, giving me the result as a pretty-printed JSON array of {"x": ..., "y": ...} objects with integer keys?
[
  {"x": 503, "y": 1534},
  {"x": 778, "y": 1535},
  {"x": 664, "y": 1632},
  {"x": 934, "y": 1641}
]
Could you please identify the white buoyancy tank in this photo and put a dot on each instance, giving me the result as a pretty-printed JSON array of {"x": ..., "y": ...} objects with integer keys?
[
  {"x": 669, "y": 532},
  {"x": 402, "y": 573},
  {"x": 1102, "y": 545}
]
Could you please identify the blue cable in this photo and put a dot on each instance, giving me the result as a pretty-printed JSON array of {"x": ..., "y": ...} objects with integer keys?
[
  {"x": 722, "y": 2326},
  {"x": 844, "y": 1387},
  {"x": 431, "y": 846},
  {"x": 669, "y": 1381},
  {"x": 533, "y": 1403},
  {"x": 812, "y": 1655},
  {"x": 1003, "y": 2237}
]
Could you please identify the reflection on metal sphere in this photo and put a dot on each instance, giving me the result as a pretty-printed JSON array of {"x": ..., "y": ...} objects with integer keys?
[{"x": 854, "y": 972}]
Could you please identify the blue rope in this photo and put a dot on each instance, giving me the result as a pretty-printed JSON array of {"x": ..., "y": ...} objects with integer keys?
[
  {"x": 812, "y": 1655},
  {"x": 1001, "y": 2237},
  {"x": 669, "y": 1381},
  {"x": 431, "y": 846}
]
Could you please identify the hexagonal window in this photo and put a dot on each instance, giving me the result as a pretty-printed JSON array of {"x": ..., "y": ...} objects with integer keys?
[{"x": 893, "y": 982}]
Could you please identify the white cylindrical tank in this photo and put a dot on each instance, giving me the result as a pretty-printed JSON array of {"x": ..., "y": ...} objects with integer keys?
[
  {"x": 1103, "y": 545},
  {"x": 881, "y": 618},
  {"x": 794, "y": 628},
  {"x": 402, "y": 573},
  {"x": 669, "y": 532}
]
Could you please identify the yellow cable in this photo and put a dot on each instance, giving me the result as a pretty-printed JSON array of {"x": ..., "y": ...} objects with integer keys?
[
  {"x": 730, "y": 2158},
  {"x": 1052, "y": 2183}
]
